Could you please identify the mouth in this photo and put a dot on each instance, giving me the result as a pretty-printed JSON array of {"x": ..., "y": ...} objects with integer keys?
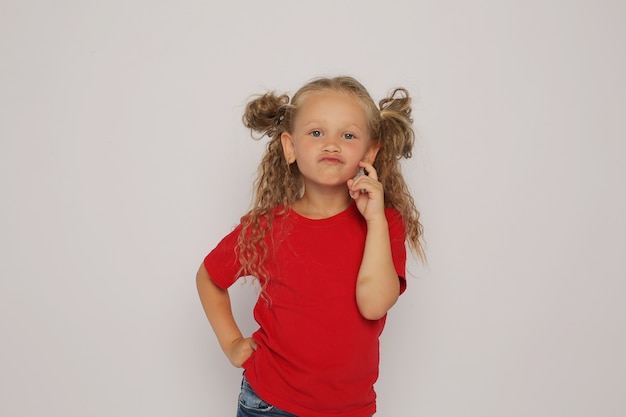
[{"x": 330, "y": 160}]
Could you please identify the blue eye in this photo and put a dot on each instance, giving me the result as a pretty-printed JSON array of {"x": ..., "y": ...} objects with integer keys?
[
  {"x": 316, "y": 133},
  {"x": 348, "y": 136}
]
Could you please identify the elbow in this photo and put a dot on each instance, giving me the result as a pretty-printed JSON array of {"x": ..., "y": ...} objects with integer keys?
[
  {"x": 372, "y": 310},
  {"x": 374, "y": 301},
  {"x": 372, "y": 314}
]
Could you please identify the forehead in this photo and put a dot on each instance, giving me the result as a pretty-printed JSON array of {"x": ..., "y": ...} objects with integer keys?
[{"x": 331, "y": 105}]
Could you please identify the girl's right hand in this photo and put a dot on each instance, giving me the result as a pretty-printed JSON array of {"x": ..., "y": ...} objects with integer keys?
[{"x": 240, "y": 350}]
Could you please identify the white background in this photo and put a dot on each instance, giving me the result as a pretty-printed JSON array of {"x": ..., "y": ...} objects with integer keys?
[{"x": 123, "y": 162}]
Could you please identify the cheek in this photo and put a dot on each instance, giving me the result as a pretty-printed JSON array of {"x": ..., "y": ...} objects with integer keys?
[
  {"x": 304, "y": 148},
  {"x": 372, "y": 151}
]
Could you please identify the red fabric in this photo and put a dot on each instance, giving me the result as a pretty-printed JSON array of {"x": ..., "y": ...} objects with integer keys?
[{"x": 316, "y": 354}]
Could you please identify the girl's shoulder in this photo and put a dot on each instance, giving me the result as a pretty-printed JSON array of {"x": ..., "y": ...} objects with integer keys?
[
  {"x": 262, "y": 219},
  {"x": 392, "y": 214},
  {"x": 395, "y": 221}
]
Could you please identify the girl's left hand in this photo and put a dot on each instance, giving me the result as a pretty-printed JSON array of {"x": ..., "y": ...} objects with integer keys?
[{"x": 368, "y": 193}]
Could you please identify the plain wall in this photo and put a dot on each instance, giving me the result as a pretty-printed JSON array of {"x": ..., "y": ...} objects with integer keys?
[{"x": 124, "y": 161}]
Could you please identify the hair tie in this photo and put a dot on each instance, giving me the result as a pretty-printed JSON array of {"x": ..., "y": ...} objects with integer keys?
[{"x": 280, "y": 115}]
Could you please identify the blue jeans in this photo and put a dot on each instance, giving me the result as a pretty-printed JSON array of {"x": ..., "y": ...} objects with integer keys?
[{"x": 251, "y": 405}]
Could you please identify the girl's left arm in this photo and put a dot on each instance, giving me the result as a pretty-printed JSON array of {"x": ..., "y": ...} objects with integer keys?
[{"x": 378, "y": 285}]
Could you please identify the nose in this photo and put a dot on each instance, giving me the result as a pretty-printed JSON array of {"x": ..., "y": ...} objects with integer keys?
[{"x": 331, "y": 144}]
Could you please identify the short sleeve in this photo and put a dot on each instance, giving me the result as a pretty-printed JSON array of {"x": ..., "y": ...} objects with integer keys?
[
  {"x": 222, "y": 263},
  {"x": 397, "y": 237}
]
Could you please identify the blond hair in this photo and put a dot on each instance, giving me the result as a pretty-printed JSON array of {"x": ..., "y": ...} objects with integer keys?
[{"x": 280, "y": 183}]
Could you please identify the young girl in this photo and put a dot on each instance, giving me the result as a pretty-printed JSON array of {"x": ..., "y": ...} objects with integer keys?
[{"x": 327, "y": 245}]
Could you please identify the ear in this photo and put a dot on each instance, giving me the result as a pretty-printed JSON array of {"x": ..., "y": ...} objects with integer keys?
[
  {"x": 370, "y": 155},
  {"x": 288, "y": 147}
]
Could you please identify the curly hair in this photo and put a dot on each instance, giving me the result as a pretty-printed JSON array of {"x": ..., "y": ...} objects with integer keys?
[{"x": 280, "y": 184}]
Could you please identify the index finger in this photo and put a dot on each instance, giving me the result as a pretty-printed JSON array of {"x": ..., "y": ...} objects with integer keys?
[{"x": 369, "y": 168}]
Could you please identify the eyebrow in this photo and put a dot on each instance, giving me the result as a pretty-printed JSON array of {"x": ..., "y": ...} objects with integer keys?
[{"x": 320, "y": 122}]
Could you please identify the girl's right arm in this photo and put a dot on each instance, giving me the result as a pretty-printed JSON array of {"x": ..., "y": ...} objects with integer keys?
[{"x": 216, "y": 304}]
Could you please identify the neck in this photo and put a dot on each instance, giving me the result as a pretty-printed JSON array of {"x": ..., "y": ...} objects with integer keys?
[{"x": 316, "y": 204}]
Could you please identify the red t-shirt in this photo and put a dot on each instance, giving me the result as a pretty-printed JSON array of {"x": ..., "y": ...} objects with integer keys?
[{"x": 316, "y": 355}]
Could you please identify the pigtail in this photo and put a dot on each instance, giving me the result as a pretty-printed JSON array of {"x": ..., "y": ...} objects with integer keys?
[
  {"x": 264, "y": 113},
  {"x": 397, "y": 137},
  {"x": 396, "y": 123},
  {"x": 278, "y": 183}
]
